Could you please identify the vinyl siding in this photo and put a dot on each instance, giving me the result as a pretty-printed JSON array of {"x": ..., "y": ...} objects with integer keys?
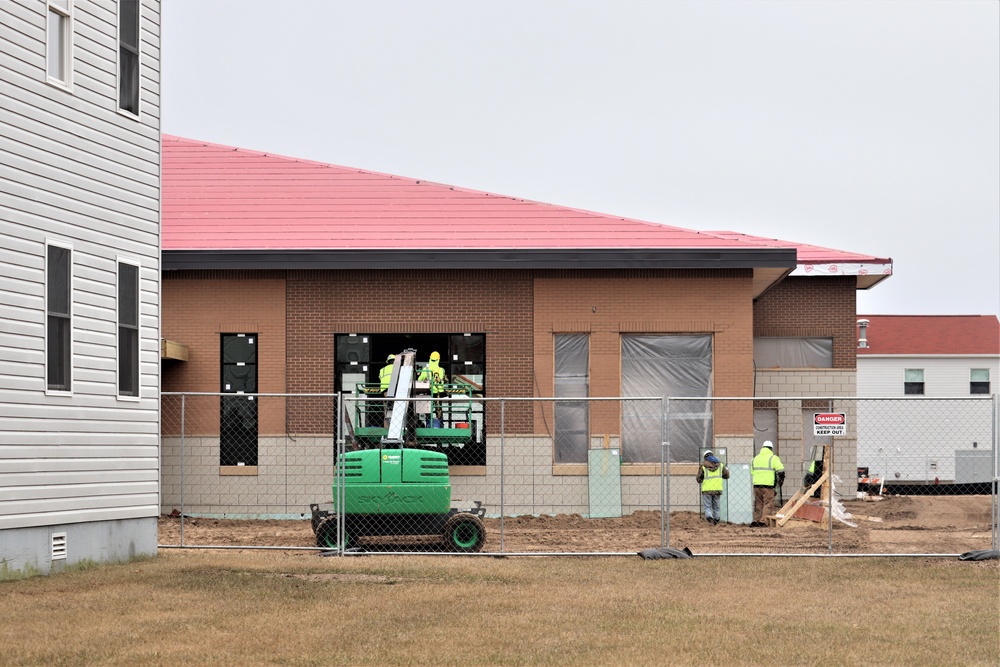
[
  {"x": 944, "y": 376},
  {"x": 75, "y": 171},
  {"x": 915, "y": 439}
]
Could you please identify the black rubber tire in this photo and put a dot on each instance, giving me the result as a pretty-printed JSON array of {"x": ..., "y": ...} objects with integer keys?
[
  {"x": 464, "y": 533},
  {"x": 314, "y": 522},
  {"x": 327, "y": 535}
]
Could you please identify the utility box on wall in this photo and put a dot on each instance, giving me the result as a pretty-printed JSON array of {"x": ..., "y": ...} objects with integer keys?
[{"x": 973, "y": 466}]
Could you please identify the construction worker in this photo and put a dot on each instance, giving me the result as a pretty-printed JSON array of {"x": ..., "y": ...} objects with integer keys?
[
  {"x": 434, "y": 374},
  {"x": 767, "y": 472},
  {"x": 385, "y": 374},
  {"x": 384, "y": 377},
  {"x": 813, "y": 474},
  {"x": 710, "y": 476}
]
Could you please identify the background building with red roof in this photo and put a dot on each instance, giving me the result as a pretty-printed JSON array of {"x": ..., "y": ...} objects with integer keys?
[
  {"x": 952, "y": 358},
  {"x": 329, "y": 269}
]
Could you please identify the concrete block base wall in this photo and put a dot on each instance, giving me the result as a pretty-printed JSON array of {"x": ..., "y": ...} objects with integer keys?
[{"x": 29, "y": 551}]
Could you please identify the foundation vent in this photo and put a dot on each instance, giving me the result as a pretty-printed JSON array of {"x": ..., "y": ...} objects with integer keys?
[{"x": 58, "y": 546}]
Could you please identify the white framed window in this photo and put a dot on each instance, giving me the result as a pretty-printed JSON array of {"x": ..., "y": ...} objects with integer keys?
[
  {"x": 59, "y": 42},
  {"x": 979, "y": 381},
  {"x": 58, "y": 317},
  {"x": 913, "y": 381},
  {"x": 128, "y": 328},
  {"x": 128, "y": 56}
]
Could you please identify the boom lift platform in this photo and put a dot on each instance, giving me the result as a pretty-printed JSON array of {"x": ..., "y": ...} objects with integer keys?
[{"x": 406, "y": 415}]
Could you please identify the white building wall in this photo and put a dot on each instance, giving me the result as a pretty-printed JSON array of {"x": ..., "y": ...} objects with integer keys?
[
  {"x": 77, "y": 172},
  {"x": 915, "y": 438}
]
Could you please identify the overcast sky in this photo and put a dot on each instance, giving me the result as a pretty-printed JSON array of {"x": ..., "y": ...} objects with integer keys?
[{"x": 871, "y": 127}]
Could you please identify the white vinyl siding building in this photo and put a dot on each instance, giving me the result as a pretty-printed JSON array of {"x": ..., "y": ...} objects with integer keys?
[
  {"x": 79, "y": 459},
  {"x": 926, "y": 436}
]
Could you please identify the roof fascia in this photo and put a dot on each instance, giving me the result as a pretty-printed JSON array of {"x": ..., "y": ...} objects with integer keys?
[{"x": 600, "y": 258}]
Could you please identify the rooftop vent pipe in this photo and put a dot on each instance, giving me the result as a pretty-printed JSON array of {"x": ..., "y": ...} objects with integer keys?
[{"x": 863, "y": 333}]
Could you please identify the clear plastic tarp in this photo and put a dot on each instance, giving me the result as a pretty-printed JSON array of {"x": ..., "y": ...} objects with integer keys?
[
  {"x": 793, "y": 352},
  {"x": 572, "y": 381},
  {"x": 666, "y": 365}
]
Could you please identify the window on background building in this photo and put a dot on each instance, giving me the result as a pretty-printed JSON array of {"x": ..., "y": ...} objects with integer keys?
[
  {"x": 913, "y": 381},
  {"x": 59, "y": 41},
  {"x": 979, "y": 381},
  {"x": 128, "y": 56},
  {"x": 59, "y": 326},
  {"x": 572, "y": 380},
  {"x": 128, "y": 329},
  {"x": 666, "y": 365}
]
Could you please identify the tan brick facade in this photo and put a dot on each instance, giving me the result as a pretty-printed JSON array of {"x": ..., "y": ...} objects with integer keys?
[{"x": 812, "y": 307}]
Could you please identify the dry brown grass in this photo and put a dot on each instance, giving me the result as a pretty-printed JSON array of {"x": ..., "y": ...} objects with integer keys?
[{"x": 274, "y": 608}]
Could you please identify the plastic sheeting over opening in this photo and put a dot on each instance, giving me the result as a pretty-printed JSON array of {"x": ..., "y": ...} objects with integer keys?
[
  {"x": 572, "y": 381},
  {"x": 793, "y": 352},
  {"x": 666, "y": 365}
]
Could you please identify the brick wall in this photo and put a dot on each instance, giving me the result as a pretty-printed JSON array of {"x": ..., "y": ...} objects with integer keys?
[
  {"x": 606, "y": 304},
  {"x": 197, "y": 308},
  {"x": 323, "y": 303},
  {"x": 824, "y": 307}
]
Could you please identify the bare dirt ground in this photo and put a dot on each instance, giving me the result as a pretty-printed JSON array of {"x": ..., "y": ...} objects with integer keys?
[{"x": 890, "y": 524}]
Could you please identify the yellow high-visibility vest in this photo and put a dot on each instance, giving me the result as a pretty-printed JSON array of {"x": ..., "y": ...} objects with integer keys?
[
  {"x": 763, "y": 467},
  {"x": 711, "y": 480}
]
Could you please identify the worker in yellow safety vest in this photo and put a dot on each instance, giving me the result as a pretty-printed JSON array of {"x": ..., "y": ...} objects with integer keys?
[
  {"x": 384, "y": 377},
  {"x": 434, "y": 374},
  {"x": 710, "y": 475},
  {"x": 767, "y": 472}
]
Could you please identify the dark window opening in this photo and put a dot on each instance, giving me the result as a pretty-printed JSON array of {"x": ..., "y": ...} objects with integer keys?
[
  {"x": 238, "y": 419},
  {"x": 58, "y": 329},
  {"x": 128, "y": 329},
  {"x": 128, "y": 56},
  {"x": 360, "y": 357}
]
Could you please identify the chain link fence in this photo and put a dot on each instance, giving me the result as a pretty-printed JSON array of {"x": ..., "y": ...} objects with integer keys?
[{"x": 457, "y": 473}]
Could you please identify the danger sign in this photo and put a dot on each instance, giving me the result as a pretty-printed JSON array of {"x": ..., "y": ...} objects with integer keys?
[{"x": 829, "y": 423}]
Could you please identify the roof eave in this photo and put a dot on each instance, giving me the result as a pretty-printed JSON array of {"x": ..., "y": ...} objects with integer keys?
[{"x": 782, "y": 259}]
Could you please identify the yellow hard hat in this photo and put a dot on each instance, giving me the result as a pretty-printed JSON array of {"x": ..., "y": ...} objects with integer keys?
[
  {"x": 435, "y": 356},
  {"x": 390, "y": 357}
]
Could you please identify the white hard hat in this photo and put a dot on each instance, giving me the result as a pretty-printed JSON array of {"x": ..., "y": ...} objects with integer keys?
[{"x": 768, "y": 444}]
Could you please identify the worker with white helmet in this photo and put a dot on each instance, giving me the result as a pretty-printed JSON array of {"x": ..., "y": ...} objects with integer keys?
[{"x": 767, "y": 473}]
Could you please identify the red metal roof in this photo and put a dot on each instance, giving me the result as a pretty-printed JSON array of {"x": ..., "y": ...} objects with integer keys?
[
  {"x": 932, "y": 334},
  {"x": 218, "y": 198}
]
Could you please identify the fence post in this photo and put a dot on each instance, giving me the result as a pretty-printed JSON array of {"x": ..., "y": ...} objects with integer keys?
[
  {"x": 996, "y": 477},
  {"x": 665, "y": 472},
  {"x": 503, "y": 446},
  {"x": 183, "y": 397},
  {"x": 340, "y": 409}
]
